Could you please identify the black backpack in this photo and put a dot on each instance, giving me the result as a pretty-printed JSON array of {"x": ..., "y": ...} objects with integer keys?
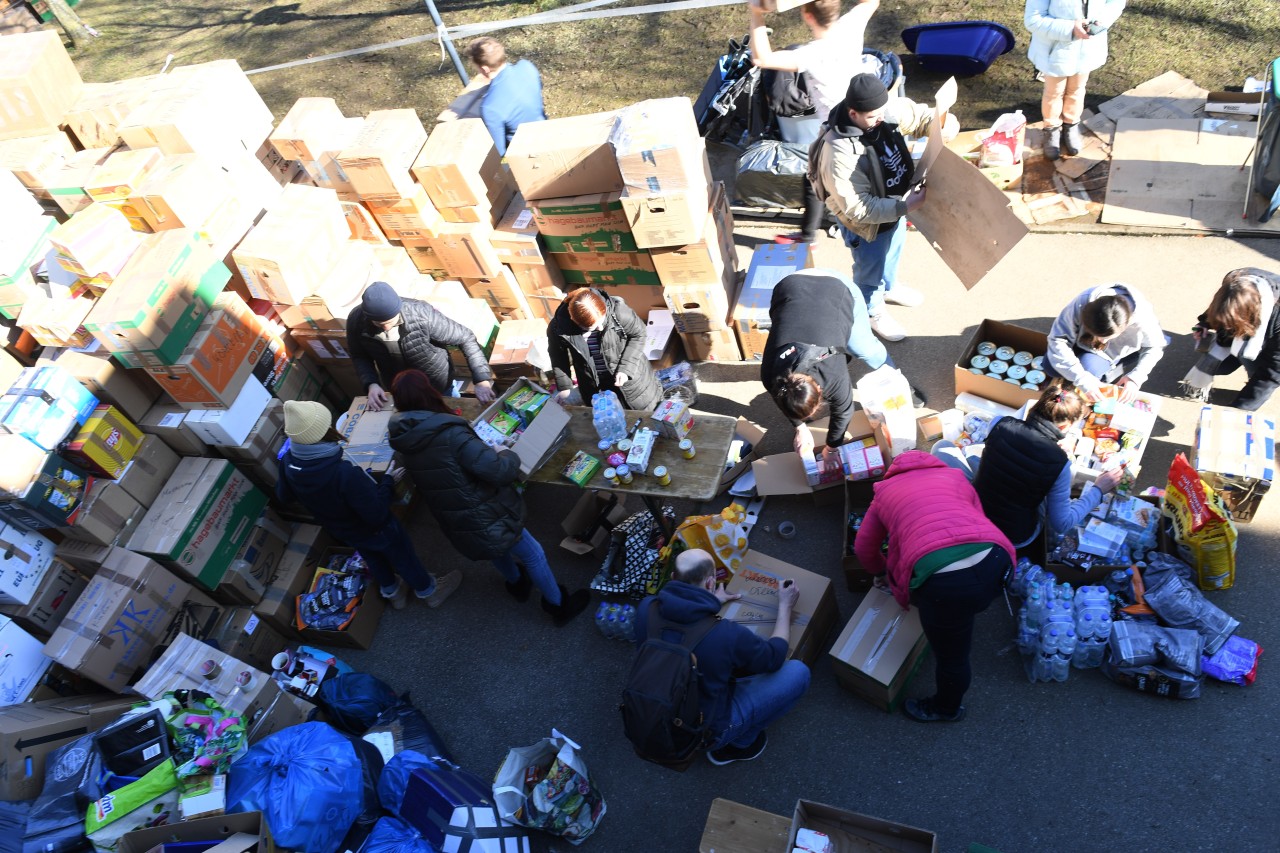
[{"x": 660, "y": 704}]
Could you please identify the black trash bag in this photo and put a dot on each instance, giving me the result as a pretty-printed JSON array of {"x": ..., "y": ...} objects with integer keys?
[
  {"x": 1156, "y": 680},
  {"x": 771, "y": 174},
  {"x": 1179, "y": 604},
  {"x": 13, "y": 822},
  {"x": 1147, "y": 644},
  {"x": 354, "y": 700},
  {"x": 56, "y": 821},
  {"x": 413, "y": 730}
]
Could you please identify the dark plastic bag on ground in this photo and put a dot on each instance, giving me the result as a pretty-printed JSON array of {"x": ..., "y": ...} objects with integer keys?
[
  {"x": 1156, "y": 680},
  {"x": 412, "y": 730},
  {"x": 13, "y": 822},
  {"x": 1236, "y": 662},
  {"x": 771, "y": 174},
  {"x": 392, "y": 835},
  {"x": 1147, "y": 644},
  {"x": 312, "y": 783},
  {"x": 56, "y": 821},
  {"x": 1179, "y": 604},
  {"x": 354, "y": 701}
]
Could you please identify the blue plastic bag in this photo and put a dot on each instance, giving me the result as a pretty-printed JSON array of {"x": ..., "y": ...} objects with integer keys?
[
  {"x": 308, "y": 780},
  {"x": 392, "y": 835},
  {"x": 354, "y": 701}
]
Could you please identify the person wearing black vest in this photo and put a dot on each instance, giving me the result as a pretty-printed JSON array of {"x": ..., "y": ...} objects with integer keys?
[
  {"x": 1025, "y": 475},
  {"x": 818, "y": 323}
]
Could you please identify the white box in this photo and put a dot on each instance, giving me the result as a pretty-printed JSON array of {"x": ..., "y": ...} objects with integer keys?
[
  {"x": 231, "y": 427},
  {"x": 24, "y": 558},
  {"x": 661, "y": 327},
  {"x": 22, "y": 662}
]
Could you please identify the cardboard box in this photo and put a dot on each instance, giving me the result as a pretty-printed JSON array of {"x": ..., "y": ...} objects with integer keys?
[
  {"x": 520, "y": 349},
  {"x": 784, "y": 474},
  {"x": 749, "y": 434},
  {"x": 564, "y": 157},
  {"x": 640, "y": 298},
  {"x": 25, "y": 558},
  {"x": 105, "y": 443},
  {"x": 200, "y": 520},
  {"x": 108, "y": 516},
  {"x": 1001, "y": 334},
  {"x": 658, "y": 146},
  {"x": 83, "y": 556},
  {"x": 287, "y": 255},
  {"x": 378, "y": 160},
  {"x": 670, "y": 217},
  {"x": 182, "y": 191},
  {"x": 715, "y": 345},
  {"x": 460, "y": 167},
  {"x": 586, "y": 223},
  {"x": 230, "y": 427},
  {"x": 850, "y": 831},
  {"x": 221, "y": 828},
  {"x": 769, "y": 264},
  {"x": 58, "y": 320},
  {"x": 614, "y": 268},
  {"x": 214, "y": 368},
  {"x": 44, "y": 404},
  {"x": 305, "y": 129},
  {"x": 699, "y": 307},
  {"x": 360, "y": 632},
  {"x": 414, "y": 217},
  {"x": 465, "y": 250},
  {"x": 711, "y": 256},
  {"x": 129, "y": 392},
  {"x": 242, "y": 634},
  {"x": 879, "y": 650},
  {"x": 367, "y": 445},
  {"x": 245, "y": 581},
  {"x": 734, "y": 827},
  {"x": 542, "y": 437},
  {"x": 37, "y": 488},
  {"x": 96, "y": 115},
  {"x": 502, "y": 293},
  {"x": 292, "y": 577},
  {"x": 264, "y": 439},
  {"x": 24, "y": 662},
  {"x": 95, "y": 243},
  {"x": 38, "y": 83},
  {"x": 515, "y": 237},
  {"x": 1234, "y": 103},
  {"x": 1235, "y": 453},
  {"x": 758, "y": 580},
  {"x": 660, "y": 330},
  {"x": 117, "y": 178},
  {"x": 588, "y": 524},
  {"x": 114, "y": 624},
  {"x": 20, "y": 261},
  {"x": 167, "y": 422},
  {"x": 58, "y": 588},
  {"x": 30, "y": 731}
]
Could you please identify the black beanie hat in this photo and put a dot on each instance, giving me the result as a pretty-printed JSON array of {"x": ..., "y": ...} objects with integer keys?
[
  {"x": 866, "y": 93},
  {"x": 380, "y": 302}
]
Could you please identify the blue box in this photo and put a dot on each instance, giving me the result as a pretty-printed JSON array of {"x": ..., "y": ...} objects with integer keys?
[
  {"x": 45, "y": 405},
  {"x": 454, "y": 810}
]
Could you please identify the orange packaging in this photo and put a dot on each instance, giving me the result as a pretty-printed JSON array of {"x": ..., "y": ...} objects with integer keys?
[{"x": 219, "y": 360}]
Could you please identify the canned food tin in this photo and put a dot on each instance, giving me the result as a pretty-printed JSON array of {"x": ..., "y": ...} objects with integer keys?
[
  {"x": 1000, "y": 367},
  {"x": 611, "y": 474},
  {"x": 979, "y": 361},
  {"x": 605, "y": 446},
  {"x": 1038, "y": 362},
  {"x": 977, "y": 371},
  {"x": 994, "y": 376},
  {"x": 624, "y": 445},
  {"x": 624, "y": 474},
  {"x": 661, "y": 475},
  {"x": 1035, "y": 377},
  {"x": 1005, "y": 353},
  {"x": 1022, "y": 357},
  {"x": 687, "y": 450},
  {"x": 1017, "y": 371},
  {"x": 986, "y": 348},
  {"x": 1030, "y": 387},
  {"x": 1012, "y": 381}
]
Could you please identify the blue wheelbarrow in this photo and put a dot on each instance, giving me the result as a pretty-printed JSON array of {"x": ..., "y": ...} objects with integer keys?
[{"x": 963, "y": 48}]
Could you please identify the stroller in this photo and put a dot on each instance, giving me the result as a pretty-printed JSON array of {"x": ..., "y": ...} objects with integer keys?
[{"x": 1265, "y": 179}]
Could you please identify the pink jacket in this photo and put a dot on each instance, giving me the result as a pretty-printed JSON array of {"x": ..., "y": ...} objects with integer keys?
[{"x": 922, "y": 505}]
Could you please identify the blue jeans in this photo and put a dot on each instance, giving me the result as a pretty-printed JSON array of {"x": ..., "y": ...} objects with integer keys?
[
  {"x": 390, "y": 552},
  {"x": 530, "y": 554},
  {"x": 761, "y": 699},
  {"x": 863, "y": 343},
  {"x": 875, "y": 263},
  {"x": 1099, "y": 365}
]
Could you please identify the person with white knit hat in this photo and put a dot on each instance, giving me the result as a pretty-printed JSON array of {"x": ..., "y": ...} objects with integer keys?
[{"x": 352, "y": 507}]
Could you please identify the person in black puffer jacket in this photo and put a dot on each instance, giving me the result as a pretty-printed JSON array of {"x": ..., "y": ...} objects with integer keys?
[
  {"x": 387, "y": 334},
  {"x": 470, "y": 489},
  {"x": 596, "y": 336},
  {"x": 353, "y": 508}
]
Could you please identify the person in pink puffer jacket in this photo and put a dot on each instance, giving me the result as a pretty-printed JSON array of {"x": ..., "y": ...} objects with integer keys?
[{"x": 944, "y": 557}]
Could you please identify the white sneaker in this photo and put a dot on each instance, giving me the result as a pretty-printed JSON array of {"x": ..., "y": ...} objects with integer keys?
[
  {"x": 887, "y": 328},
  {"x": 901, "y": 294}
]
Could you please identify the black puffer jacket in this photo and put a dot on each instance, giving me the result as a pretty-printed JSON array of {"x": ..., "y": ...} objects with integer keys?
[
  {"x": 621, "y": 344},
  {"x": 1020, "y": 463},
  {"x": 465, "y": 482},
  {"x": 424, "y": 334},
  {"x": 344, "y": 499}
]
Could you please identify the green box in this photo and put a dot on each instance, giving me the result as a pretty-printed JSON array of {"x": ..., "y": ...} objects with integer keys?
[{"x": 585, "y": 223}]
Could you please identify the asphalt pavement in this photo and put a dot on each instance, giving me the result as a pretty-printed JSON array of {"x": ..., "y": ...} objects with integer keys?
[{"x": 1078, "y": 766}]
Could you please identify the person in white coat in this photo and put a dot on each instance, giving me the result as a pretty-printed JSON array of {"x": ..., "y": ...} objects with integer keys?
[
  {"x": 1108, "y": 335},
  {"x": 1068, "y": 41}
]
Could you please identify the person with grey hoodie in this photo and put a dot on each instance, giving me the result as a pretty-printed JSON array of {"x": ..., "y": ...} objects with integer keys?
[{"x": 1108, "y": 335}]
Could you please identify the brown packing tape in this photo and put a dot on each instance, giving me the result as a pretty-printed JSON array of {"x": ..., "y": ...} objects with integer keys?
[{"x": 14, "y": 549}]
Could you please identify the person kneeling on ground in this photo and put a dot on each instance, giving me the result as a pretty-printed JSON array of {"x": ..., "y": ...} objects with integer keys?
[
  {"x": 737, "y": 711},
  {"x": 1108, "y": 335},
  {"x": 818, "y": 324},
  {"x": 354, "y": 509},
  {"x": 944, "y": 557},
  {"x": 470, "y": 489},
  {"x": 1240, "y": 328},
  {"x": 1025, "y": 475}
]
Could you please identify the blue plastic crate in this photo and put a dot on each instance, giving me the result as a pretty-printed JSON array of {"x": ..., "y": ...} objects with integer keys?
[{"x": 959, "y": 47}]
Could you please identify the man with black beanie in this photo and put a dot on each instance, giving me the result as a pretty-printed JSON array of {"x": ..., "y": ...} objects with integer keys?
[
  {"x": 387, "y": 334},
  {"x": 867, "y": 173}
]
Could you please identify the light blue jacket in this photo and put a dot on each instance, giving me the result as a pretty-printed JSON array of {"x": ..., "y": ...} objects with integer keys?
[{"x": 1053, "y": 51}]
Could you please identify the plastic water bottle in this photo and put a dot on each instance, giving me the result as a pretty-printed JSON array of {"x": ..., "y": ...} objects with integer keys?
[
  {"x": 1103, "y": 630},
  {"x": 1096, "y": 653},
  {"x": 1120, "y": 582},
  {"x": 1083, "y": 649},
  {"x": 1043, "y": 668},
  {"x": 602, "y": 613},
  {"x": 628, "y": 623},
  {"x": 1035, "y": 611}
]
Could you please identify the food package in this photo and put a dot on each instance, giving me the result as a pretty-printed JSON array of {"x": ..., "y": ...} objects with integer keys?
[{"x": 581, "y": 468}]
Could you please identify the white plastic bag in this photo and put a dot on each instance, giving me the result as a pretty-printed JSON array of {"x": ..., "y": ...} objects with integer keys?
[
  {"x": 546, "y": 786},
  {"x": 885, "y": 394}
]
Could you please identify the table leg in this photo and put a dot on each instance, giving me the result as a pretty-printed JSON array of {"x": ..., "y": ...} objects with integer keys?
[{"x": 655, "y": 507}]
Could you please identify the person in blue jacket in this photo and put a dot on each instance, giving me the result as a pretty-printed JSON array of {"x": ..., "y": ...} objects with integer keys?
[
  {"x": 737, "y": 710},
  {"x": 515, "y": 91},
  {"x": 353, "y": 508}
]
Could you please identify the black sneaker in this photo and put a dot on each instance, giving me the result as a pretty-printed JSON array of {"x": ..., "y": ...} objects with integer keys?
[
  {"x": 521, "y": 588},
  {"x": 923, "y": 711},
  {"x": 729, "y": 753}
]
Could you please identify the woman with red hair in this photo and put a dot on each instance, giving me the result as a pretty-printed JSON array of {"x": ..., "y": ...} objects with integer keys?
[
  {"x": 597, "y": 337},
  {"x": 470, "y": 489}
]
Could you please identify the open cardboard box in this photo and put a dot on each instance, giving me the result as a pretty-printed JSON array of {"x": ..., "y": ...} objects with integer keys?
[
  {"x": 248, "y": 829},
  {"x": 1235, "y": 453},
  {"x": 783, "y": 473},
  {"x": 879, "y": 650},
  {"x": 758, "y": 580},
  {"x": 580, "y": 536},
  {"x": 851, "y": 832},
  {"x": 542, "y": 437},
  {"x": 1001, "y": 334},
  {"x": 753, "y": 435}
]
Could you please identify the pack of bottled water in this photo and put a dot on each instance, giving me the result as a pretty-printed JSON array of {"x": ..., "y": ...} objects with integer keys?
[
  {"x": 608, "y": 416},
  {"x": 617, "y": 621},
  {"x": 1060, "y": 627}
]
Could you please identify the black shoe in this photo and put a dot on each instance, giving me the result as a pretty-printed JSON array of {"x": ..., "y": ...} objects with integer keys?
[
  {"x": 571, "y": 604},
  {"x": 923, "y": 711},
  {"x": 918, "y": 399},
  {"x": 729, "y": 753},
  {"x": 520, "y": 589}
]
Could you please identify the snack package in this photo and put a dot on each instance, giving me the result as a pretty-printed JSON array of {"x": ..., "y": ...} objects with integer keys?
[
  {"x": 581, "y": 468},
  {"x": 505, "y": 423},
  {"x": 1202, "y": 526}
]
